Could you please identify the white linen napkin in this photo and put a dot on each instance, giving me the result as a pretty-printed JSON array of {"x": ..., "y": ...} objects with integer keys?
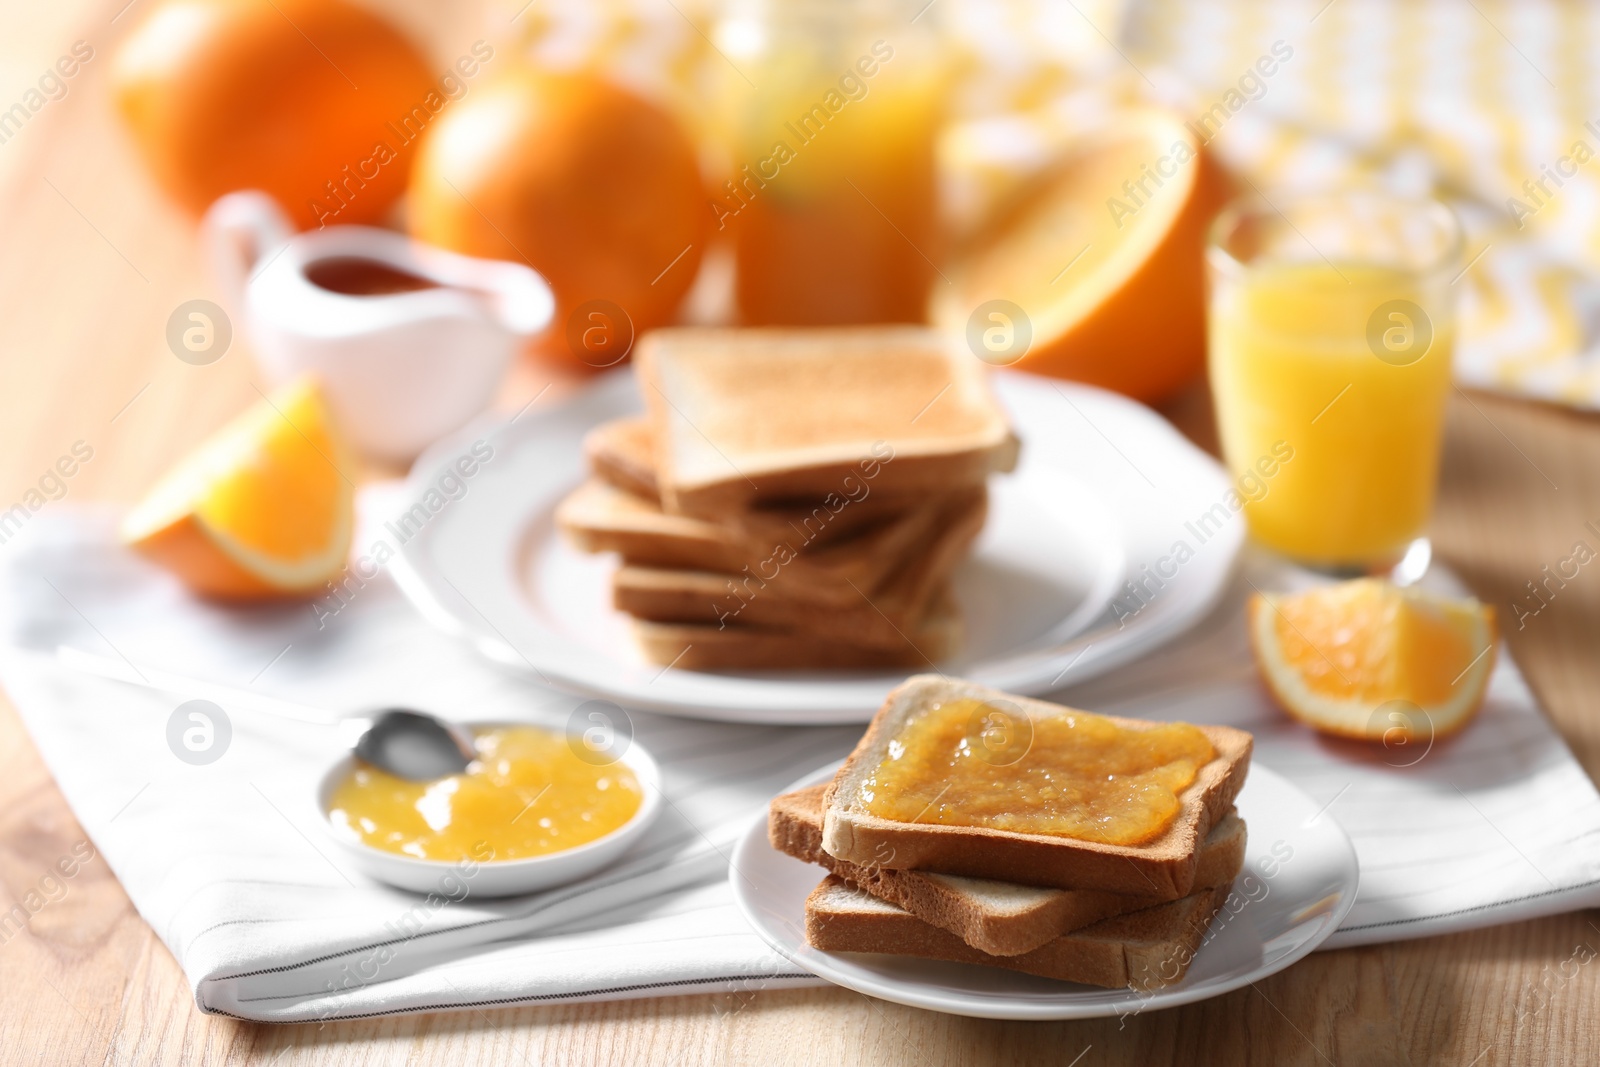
[
  {"x": 1494, "y": 825},
  {"x": 228, "y": 862}
]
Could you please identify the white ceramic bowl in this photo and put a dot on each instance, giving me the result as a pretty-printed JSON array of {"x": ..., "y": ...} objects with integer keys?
[{"x": 499, "y": 878}]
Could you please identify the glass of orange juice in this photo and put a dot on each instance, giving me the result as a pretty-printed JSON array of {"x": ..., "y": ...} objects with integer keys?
[
  {"x": 830, "y": 112},
  {"x": 1331, "y": 327}
]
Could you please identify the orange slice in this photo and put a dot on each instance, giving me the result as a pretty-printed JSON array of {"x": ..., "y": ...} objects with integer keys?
[
  {"x": 1104, "y": 256},
  {"x": 1366, "y": 659},
  {"x": 260, "y": 510}
]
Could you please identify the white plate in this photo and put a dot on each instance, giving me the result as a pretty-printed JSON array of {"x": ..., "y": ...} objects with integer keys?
[
  {"x": 1104, "y": 491},
  {"x": 1267, "y": 924}
]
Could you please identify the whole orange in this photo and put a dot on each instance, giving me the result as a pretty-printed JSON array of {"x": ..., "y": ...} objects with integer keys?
[
  {"x": 591, "y": 186},
  {"x": 294, "y": 97}
]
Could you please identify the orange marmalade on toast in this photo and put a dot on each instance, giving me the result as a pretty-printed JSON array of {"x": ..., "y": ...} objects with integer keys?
[{"x": 966, "y": 762}]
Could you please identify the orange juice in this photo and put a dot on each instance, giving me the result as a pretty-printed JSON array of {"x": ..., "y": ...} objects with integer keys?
[
  {"x": 841, "y": 236},
  {"x": 1340, "y": 366},
  {"x": 830, "y": 198}
]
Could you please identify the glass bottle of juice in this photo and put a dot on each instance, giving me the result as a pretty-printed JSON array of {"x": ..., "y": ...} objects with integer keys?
[
  {"x": 1332, "y": 324},
  {"x": 829, "y": 114}
]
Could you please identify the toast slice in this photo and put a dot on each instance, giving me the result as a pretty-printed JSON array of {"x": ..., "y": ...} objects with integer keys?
[
  {"x": 936, "y": 636},
  {"x": 746, "y": 416},
  {"x": 1163, "y": 868},
  {"x": 621, "y": 453},
  {"x": 598, "y": 518},
  {"x": 878, "y": 614},
  {"x": 1143, "y": 950},
  {"x": 694, "y": 598},
  {"x": 999, "y": 918}
]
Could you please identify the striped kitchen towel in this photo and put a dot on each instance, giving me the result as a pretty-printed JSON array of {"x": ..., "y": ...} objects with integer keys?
[{"x": 1491, "y": 105}]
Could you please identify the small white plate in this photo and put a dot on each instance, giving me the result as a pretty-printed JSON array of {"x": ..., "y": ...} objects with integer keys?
[
  {"x": 1267, "y": 924},
  {"x": 1104, "y": 492},
  {"x": 500, "y": 878}
]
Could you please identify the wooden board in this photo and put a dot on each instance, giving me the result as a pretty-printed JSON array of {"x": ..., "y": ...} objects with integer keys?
[{"x": 91, "y": 264}]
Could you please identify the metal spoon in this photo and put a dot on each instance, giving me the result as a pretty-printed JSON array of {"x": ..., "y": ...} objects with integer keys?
[{"x": 414, "y": 746}]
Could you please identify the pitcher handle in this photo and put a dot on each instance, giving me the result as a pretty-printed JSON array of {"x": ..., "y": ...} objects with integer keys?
[{"x": 238, "y": 232}]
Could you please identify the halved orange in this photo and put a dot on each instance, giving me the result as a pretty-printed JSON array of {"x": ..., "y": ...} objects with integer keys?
[
  {"x": 1105, "y": 256},
  {"x": 1368, "y": 659},
  {"x": 262, "y": 509}
]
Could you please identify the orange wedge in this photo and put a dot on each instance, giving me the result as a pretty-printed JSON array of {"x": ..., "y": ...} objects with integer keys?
[
  {"x": 1104, "y": 255},
  {"x": 260, "y": 510},
  {"x": 1367, "y": 659}
]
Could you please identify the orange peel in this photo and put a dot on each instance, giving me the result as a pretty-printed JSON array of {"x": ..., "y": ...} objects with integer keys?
[
  {"x": 1366, "y": 659},
  {"x": 261, "y": 510}
]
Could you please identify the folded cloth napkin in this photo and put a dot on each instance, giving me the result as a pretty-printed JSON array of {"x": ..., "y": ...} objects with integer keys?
[
  {"x": 229, "y": 863},
  {"x": 1488, "y": 106}
]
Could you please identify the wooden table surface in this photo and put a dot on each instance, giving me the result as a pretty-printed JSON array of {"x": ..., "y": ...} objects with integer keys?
[{"x": 92, "y": 261}]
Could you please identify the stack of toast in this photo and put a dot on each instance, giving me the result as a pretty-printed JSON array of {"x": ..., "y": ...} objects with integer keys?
[
  {"x": 1057, "y": 907},
  {"x": 793, "y": 499}
]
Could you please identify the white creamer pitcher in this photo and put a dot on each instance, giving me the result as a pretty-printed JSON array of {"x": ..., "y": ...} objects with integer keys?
[{"x": 410, "y": 341}]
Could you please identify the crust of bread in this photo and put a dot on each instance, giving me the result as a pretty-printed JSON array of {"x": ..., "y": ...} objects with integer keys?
[
  {"x": 1163, "y": 869},
  {"x": 915, "y": 476},
  {"x": 994, "y": 917},
  {"x": 1144, "y": 950},
  {"x": 621, "y": 453},
  {"x": 597, "y": 517},
  {"x": 692, "y": 647},
  {"x": 746, "y": 416},
  {"x": 879, "y": 614},
  {"x": 693, "y": 599}
]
